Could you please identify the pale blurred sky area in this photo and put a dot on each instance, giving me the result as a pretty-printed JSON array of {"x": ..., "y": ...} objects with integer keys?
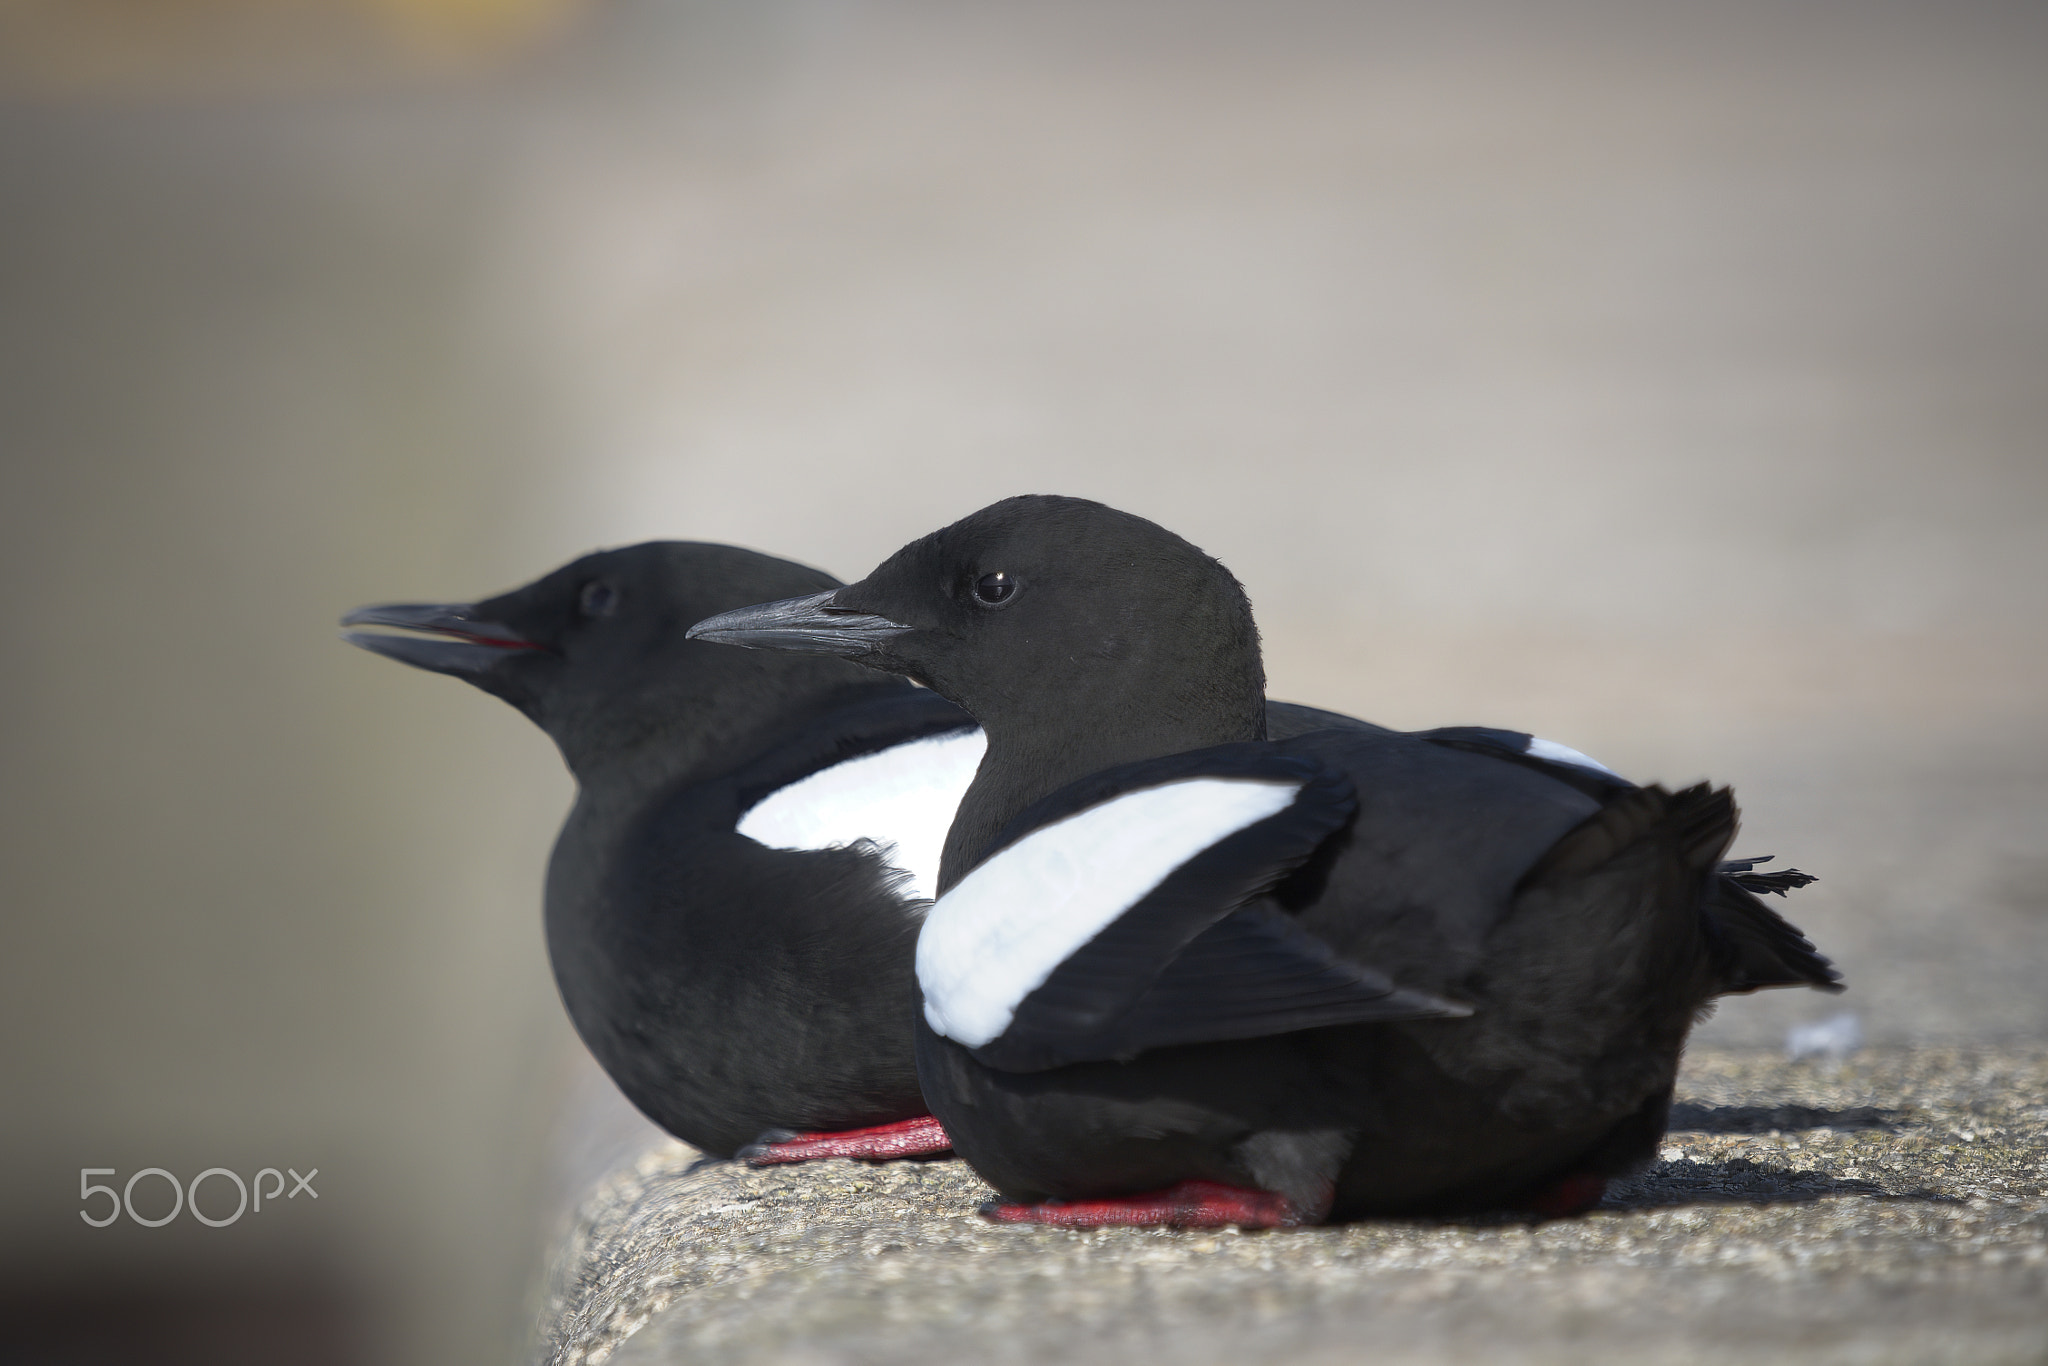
[{"x": 1667, "y": 378}]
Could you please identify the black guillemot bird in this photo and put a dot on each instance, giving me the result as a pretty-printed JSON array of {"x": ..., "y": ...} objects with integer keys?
[
  {"x": 733, "y": 903},
  {"x": 1183, "y": 972}
]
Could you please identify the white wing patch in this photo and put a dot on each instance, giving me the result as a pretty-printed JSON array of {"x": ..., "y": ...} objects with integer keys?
[
  {"x": 999, "y": 933},
  {"x": 903, "y": 798},
  {"x": 1565, "y": 754}
]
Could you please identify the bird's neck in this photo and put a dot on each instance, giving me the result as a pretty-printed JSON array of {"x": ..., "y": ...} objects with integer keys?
[
  {"x": 1025, "y": 763},
  {"x": 710, "y": 736}
]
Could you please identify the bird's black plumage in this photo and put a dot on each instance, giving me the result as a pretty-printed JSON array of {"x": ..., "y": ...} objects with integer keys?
[{"x": 1579, "y": 919}]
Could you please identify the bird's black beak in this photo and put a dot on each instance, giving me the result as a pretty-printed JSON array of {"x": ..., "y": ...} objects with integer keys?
[
  {"x": 807, "y": 625},
  {"x": 452, "y": 639}
]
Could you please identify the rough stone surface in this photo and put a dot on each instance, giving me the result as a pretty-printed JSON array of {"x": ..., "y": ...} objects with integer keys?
[{"x": 1886, "y": 1209}]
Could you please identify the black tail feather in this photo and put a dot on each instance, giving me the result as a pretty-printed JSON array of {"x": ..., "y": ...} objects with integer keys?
[
  {"x": 1754, "y": 946},
  {"x": 1706, "y": 818},
  {"x": 1742, "y": 872}
]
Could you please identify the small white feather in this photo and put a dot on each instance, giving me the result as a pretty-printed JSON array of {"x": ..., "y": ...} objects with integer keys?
[
  {"x": 1565, "y": 754},
  {"x": 903, "y": 798},
  {"x": 999, "y": 933}
]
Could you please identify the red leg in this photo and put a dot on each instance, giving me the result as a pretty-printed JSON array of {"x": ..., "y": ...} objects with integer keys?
[
  {"x": 1191, "y": 1204},
  {"x": 1566, "y": 1196},
  {"x": 920, "y": 1137}
]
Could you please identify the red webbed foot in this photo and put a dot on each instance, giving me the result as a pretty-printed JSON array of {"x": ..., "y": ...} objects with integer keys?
[
  {"x": 920, "y": 1137},
  {"x": 1191, "y": 1204},
  {"x": 1566, "y": 1196}
]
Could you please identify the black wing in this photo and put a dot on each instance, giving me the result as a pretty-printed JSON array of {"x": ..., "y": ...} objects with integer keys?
[
  {"x": 1195, "y": 960},
  {"x": 1513, "y": 746}
]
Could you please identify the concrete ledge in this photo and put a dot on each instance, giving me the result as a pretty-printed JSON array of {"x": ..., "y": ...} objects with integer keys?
[{"x": 1888, "y": 1210}]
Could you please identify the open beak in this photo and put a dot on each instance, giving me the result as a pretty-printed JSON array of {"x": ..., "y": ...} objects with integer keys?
[
  {"x": 807, "y": 625},
  {"x": 450, "y": 640}
]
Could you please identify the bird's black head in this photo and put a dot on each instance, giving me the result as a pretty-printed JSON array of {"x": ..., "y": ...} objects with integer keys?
[
  {"x": 1051, "y": 615},
  {"x": 595, "y": 652}
]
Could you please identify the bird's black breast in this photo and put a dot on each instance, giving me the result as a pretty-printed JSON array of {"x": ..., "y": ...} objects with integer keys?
[{"x": 728, "y": 987}]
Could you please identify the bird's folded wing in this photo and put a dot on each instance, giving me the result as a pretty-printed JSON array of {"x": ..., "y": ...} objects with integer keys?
[
  {"x": 1118, "y": 920},
  {"x": 1567, "y": 765},
  {"x": 1251, "y": 974}
]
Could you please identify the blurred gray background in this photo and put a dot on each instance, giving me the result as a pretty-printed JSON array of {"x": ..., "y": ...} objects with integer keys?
[{"x": 1670, "y": 379}]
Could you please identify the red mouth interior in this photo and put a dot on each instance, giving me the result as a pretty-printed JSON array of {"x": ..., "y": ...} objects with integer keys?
[{"x": 496, "y": 642}]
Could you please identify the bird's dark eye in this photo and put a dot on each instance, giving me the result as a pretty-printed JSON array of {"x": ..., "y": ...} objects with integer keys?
[
  {"x": 598, "y": 599},
  {"x": 994, "y": 589}
]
